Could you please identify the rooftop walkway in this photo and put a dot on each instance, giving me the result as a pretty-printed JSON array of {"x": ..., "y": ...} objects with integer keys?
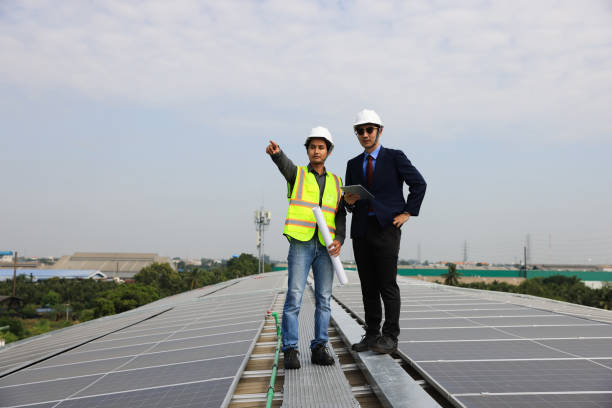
[{"x": 314, "y": 386}]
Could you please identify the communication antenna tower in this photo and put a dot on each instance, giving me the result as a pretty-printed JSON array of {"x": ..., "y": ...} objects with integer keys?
[
  {"x": 262, "y": 220},
  {"x": 528, "y": 257}
]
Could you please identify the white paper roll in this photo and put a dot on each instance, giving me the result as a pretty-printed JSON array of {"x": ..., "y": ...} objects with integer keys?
[{"x": 340, "y": 274}]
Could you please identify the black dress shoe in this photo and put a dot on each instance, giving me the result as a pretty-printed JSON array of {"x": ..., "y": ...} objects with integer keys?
[
  {"x": 367, "y": 341},
  {"x": 291, "y": 360},
  {"x": 384, "y": 345},
  {"x": 321, "y": 356}
]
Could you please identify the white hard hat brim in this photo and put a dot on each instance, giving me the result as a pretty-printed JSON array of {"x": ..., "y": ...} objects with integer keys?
[{"x": 320, "y": 132}]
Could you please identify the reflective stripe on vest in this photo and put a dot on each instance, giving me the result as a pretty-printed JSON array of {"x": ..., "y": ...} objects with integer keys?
[
  {"x": 306, "y": 224},
  {"x": 312, "y": 205},
  {"x": 300, "y": 222},
  {"x": 338, "y": 191},
  {"x": 300, "y": 184}
]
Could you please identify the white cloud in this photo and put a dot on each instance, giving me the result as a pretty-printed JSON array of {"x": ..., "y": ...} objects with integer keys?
[
  {"x": 458, "y": 71},
  {"x": 500, "y": 60}
]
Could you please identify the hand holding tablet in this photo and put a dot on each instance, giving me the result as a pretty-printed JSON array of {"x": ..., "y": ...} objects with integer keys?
[{"x": 359, "y": 190}]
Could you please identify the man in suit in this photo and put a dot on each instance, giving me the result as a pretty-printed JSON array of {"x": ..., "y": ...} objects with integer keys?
[{"x": 375, "y": 227}]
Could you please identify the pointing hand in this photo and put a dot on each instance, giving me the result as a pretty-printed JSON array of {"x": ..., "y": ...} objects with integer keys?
[{"x": 272, "y": 148}]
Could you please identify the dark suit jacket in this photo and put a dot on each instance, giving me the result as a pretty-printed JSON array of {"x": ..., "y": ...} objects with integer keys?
[{"x": 391, "y": 171}]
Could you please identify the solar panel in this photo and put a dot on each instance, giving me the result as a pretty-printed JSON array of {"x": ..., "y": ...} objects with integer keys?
[
  {"x": 29, "y": 350},
  {"x": 493, "y": 350},
  {"x": 582, "y": 347},
  {"x": 540, "y": 401},
  {"x": 189, "y": 356},
  {"x": 158, "y": 376},
  {"x": 201, "y": 394},
  {"x": 594, "y": 329},
  {"x": 479, "y": 350},
  {"x": 542, "y": 376},
  {"x": 43, "y": 391},
  {"x": 607, "y": 362},
  {"x": 441, "y": 334}
]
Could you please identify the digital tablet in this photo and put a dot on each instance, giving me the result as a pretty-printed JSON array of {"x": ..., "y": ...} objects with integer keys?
[{"x": 358, "y": 189}]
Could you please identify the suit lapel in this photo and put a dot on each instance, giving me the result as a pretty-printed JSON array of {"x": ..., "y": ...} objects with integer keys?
[{"x": 359, "y": 170}]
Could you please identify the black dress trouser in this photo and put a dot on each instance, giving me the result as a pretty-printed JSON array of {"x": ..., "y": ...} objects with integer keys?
[{"x": 376, "y": 257}]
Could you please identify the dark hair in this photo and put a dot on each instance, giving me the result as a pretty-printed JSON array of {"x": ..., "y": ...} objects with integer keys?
[{"x": 325, "y": 140}]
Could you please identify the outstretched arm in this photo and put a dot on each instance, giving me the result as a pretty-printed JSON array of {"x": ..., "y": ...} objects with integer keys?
[{"x": 284, "y": 164}]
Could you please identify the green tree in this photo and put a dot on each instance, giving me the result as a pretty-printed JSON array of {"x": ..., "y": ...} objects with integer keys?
[
  {"x": 29, "y": 311},
  {"x": 452, "y": 277},
  {"x": 104, "y": 307},
  {"x": 192, "y": 278},
  {"x": 51, "y": 299},
  {"x": 87, "y": 314},
  {"x": 161, "y": 276},
  {"x": 127, "y": 297},
  {"x": 15, "y": 326},
  {"x": 565, "y": 288}
]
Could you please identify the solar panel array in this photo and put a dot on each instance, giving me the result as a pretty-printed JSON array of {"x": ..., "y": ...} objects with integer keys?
[
  {"x": 484, "y": 352},
  {"x": 190, "y": 355}
]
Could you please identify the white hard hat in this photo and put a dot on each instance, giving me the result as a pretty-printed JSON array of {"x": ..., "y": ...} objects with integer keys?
[
  {"x": 367, "y": 116},
  {"x": 323, "y": 133}
]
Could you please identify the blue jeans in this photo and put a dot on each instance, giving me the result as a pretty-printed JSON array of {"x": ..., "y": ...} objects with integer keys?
[{"x": 302, "y": 256}]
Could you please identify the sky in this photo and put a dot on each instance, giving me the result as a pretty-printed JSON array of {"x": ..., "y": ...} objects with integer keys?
[{"x": 141, "y": 126}]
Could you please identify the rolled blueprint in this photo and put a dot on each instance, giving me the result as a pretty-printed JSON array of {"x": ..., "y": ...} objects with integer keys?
[{"x": 328, "y": 241}]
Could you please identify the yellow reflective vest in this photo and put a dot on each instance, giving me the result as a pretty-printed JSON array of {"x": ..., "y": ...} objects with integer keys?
[{"x": 300, "y": 222}]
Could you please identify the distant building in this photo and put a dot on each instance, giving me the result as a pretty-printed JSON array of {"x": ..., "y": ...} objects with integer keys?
[
  {"x": 10, "y": 302},
  {"x": 41, "y": 274},
  {"x": 112, "y": 264},
  {"x": 21, "y": 264},
  {"x": 570, "y": 267}
]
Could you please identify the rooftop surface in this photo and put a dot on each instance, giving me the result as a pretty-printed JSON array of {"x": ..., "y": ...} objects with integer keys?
[{"x": 475, "y": 348}]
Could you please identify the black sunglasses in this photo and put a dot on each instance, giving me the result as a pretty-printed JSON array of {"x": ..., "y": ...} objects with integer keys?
[{"x": 368, "y": 129}]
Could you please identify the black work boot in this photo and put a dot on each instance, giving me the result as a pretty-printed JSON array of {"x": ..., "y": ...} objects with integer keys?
[
  {"x": 384, "y": 345},
  {"x": 321, "y": 356},
  {"x": 291, "y": 360},
  {"x": 367, "y": 341}
]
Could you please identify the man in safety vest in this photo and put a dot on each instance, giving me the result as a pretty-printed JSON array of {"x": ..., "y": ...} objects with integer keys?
[{"x": 310, "y": 186}]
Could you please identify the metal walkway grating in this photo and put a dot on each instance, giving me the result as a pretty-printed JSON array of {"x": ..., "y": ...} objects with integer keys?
[{"x": 314, "y": 386}]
